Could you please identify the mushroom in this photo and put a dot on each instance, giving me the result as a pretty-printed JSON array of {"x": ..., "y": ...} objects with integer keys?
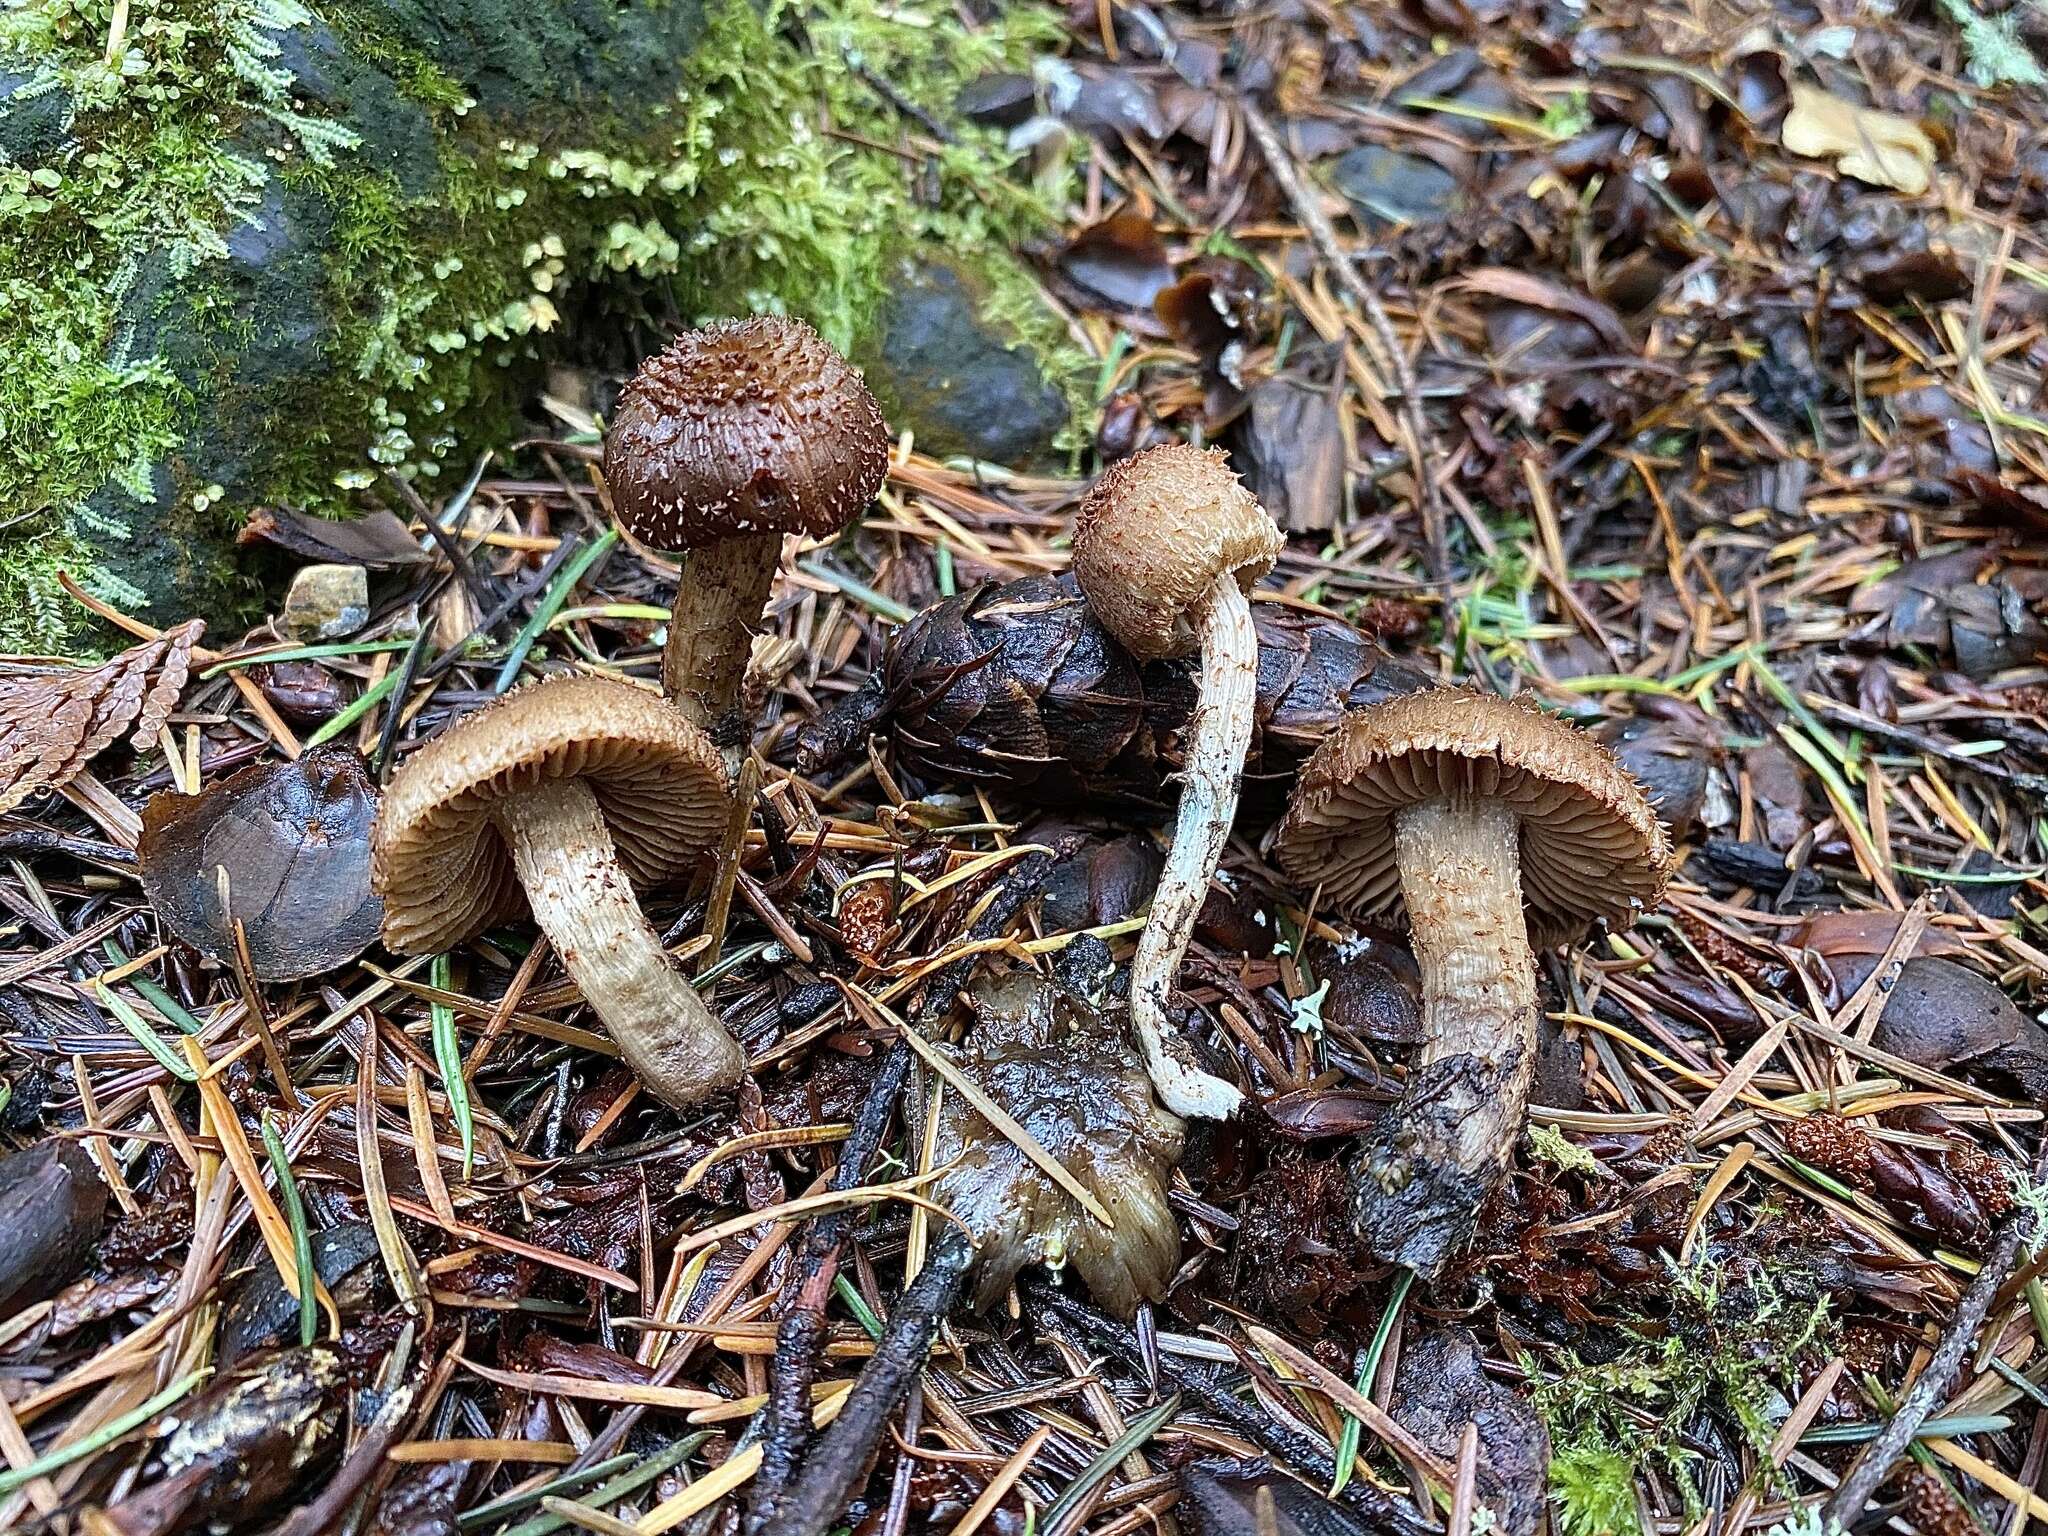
[
  {"x": 732, "y": 437},
  {"x": 1041, "y": 1053},
  {"x": 1166, "y": 545},
  {"x": 562, "y": 798},
  {"x": 1489, "y": 827}
]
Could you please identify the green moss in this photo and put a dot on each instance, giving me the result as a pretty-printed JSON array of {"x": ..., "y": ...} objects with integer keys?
[
  {"x": 466, "y": 245},
  {"x": 1727, "y": 1345},
  {"x": 1595, "y": 1489}
]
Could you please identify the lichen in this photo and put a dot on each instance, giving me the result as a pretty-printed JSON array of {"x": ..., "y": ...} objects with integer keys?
[{"x": 466, "y": 248}]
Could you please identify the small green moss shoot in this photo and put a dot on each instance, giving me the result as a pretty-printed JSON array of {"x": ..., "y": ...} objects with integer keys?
[
  {"x": 1553, "y": 1146},
  {"x": 776, "y": 178},
  {"x": 1727, "y": 1347}
]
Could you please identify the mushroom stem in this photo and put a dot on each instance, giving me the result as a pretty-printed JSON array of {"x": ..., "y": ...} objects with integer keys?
[
  {"x": 724, "y": 587},
  {"x": 1219, "y": 734},
  {"x": 1445, "y": 1145},
  {"x": 562, "y": 852}
]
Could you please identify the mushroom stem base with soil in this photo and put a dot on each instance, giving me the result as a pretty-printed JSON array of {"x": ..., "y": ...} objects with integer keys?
[
  {"x": 1443, "y": 1147},
  {"x": 719, "y": 598},
  {"x": 1219, "y": 735},
  {"x": 580, "y": 897}
]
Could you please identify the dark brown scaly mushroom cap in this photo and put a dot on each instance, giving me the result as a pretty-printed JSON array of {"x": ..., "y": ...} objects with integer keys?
[
  {"x": 1591, "y": 845},
  {"x": 436, "y": 857},
  {"x": 1154, "y": 533},
  {"x": 747, "y": 426}
]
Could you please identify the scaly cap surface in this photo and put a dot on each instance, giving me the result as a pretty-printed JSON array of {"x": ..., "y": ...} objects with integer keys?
[
  {"x": 746, "y": 426},
  {"x": 1155, "y": 532}
]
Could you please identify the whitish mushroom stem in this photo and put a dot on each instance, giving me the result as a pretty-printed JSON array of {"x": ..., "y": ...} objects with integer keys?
[
  {"x": 1445, "y": 1145},
  {"x": 1219, "y": 735},
  {"x": 562, "y": 852},
  {"x": 719, "y": 599}
]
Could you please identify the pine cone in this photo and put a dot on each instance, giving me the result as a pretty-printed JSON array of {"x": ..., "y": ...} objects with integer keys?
[{"x": 1018, "y": 687}]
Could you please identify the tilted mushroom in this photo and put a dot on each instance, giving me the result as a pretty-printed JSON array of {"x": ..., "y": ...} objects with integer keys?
[
  {"x": 1042, "y": 1053},
  {"x": 1046, "y": 1059},
  {"x": 1166, "y": 545},
  {"x": 1490, "y": 827},
  {"x": 562, "y": 799},
  {"x": 732, "y": 437}
]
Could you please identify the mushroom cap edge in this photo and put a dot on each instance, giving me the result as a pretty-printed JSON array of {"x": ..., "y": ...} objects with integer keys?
[
  {"x": 1592, "y": 847},
  {"x": 437, "y": 858}
]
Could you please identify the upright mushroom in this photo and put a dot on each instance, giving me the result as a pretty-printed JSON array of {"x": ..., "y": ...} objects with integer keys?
[
  {"x": 1166, "y": 545},
  {"x": 732, "y": 437},
  {"x": 561, "y": 799},
  {"x": 1489, "y": 826}
]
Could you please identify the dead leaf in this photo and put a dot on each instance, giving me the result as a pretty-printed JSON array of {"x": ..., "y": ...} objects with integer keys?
[
  {"x": 294, "y": 841},
  {"x": 1882, "y": 148},
  {"x": 1546, "y": 293},
  {"x": 1291, "y": 447},
  {"x": 378, "y": 540},
  {"x": 1441, "y": 1386},
  {"x": 1120, "y": 261}
]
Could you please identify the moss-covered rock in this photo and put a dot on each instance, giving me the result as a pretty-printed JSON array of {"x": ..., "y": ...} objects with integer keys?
[{"x": 260, "y": 250}]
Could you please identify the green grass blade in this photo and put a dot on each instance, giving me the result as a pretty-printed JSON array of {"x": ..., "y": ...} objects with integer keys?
[
  {"x": 448, "y": 1057},
  {"x": 152, "y": 1042},
  {"x": 1347, "y": 1439},
  {"x": 302, "y": 1237},
  {"x": 100, "y": 1438},
  {"x": 551, "y": 604},
  {"x": 1142, "y": 1428}
]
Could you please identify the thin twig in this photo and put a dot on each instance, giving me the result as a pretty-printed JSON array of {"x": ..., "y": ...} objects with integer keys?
[
  {"x": 1853, "y": 1494},
  {"x": 818, "y": 1496}
]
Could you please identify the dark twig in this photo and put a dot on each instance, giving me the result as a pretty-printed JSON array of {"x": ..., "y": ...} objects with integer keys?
[
  {"x": 1867, "y": 1473},
  {"x": 1302, "y": 1452},
  {"x": 786, "y": 1421},
  {"x": 394, "y": 710},
  {"x": 564, "y": 552},
  {"x": 458, "y": 558},
  {"x": 25, "y": 840},
  {"x": 840, "y": 1459},
  {"x": 903, "y": 105},
  {"x": 1280, "y": 161}
]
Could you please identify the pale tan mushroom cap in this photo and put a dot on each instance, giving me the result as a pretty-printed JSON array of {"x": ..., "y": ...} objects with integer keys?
[
  {"x": 1591, "y": 845},
  {"x": 436, "y": 856},
  {"x": 747, "y": 426},
  {"x": 1155, "y": 532}
]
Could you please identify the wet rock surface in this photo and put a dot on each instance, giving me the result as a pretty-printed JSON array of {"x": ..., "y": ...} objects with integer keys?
[{"x": 943, "y": 372}]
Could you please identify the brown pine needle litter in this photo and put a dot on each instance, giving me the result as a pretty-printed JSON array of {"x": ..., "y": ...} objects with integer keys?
[{"x": 1613, "y": 360}]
